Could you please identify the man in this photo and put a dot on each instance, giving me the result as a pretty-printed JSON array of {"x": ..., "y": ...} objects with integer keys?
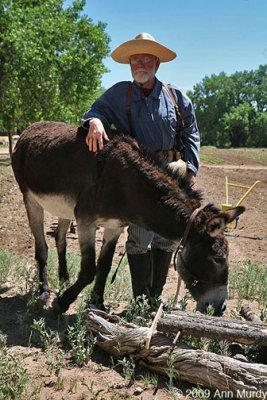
[{"x": 146, "y": 110}]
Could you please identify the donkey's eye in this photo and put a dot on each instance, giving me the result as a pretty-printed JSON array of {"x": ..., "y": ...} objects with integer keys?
[{"x": 219, "y": 259}]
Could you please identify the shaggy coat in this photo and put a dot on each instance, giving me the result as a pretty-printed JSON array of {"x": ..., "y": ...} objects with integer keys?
[{"x": 117, "y": 186}]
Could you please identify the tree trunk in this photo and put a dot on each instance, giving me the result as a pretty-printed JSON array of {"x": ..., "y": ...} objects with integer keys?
[
  {"x": 196, "y": 366},
  {"x": 10, "y": 143},
  {"x": 214, "y": 328}
]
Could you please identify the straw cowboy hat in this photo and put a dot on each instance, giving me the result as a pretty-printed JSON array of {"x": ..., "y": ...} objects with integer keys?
[{"x": 143, "y": 43}]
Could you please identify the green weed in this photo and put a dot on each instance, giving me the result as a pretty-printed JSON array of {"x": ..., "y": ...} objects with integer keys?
[
  {"x": 46, "y": 335},
  {"x": 128, "y": 367},
  {"x": 7, "y": 259},
  {"x": 13, "y": 376},
  {"x": 73, "y": 385},
  {"x": 146, "y": 379},
  {"x": 211, "y": 159},
  {"x": 120, "y": 289},
  {"x": 183, "y": 303},
  {"x": 256, "y": 154},
  {"x": 249, "y": 282},
  {"x": 139, "y": 311},
  {"x": 172, "y": 375},
  {"x": 94, "y": 392},
  {"x": 82, "y": 345}
]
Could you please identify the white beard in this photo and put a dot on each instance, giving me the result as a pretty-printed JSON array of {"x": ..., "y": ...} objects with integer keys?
[{"x": 143, "y": 76}]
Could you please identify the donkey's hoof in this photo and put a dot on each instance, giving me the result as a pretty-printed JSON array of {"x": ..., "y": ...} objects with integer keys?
[
  {"x": 45, "y": 297},
  {"x": 58, "y": 307},
  {"x": 96, "y": 306}
]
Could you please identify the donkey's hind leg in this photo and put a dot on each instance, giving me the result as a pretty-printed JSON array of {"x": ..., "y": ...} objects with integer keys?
[
  {"x": 61, "y": 242},
  {"x": 36, "y": 221}
]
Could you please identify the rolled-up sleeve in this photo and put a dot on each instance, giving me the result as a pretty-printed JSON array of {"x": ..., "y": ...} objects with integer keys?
[
  {"x": 110, "y": 108},
  {"x": 98, "y": 110}
]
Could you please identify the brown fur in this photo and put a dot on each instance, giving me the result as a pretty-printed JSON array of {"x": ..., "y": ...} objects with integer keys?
[{"x": 121, "y": 183}]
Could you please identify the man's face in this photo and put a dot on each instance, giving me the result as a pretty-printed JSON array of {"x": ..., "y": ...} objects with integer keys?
[{"x": 144, "y": 67}]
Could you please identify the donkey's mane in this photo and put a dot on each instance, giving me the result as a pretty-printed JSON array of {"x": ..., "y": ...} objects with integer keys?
[{"x": 173, "y": 185}]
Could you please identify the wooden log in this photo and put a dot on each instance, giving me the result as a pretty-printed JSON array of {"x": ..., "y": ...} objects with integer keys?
[
  {"x": 200, "y": 325},
  {"x": 247, "y": 313},
  {"x": 192, "y": 365}
]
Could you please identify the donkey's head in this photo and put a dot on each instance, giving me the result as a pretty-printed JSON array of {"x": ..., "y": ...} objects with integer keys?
[{"x": 203, "y": 261}]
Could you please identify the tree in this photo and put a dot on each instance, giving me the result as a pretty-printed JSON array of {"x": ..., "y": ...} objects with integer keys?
[
  {"x": 258, "y": 131},
  {"x": 236, "y": 124},
  {"x": 51, "y": 61},
  {"x": 231, "y": 110}
]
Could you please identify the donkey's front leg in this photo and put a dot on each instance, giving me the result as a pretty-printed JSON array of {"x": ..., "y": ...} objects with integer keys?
[
  {"x": 86, "y": 234},
  {"x": 104, "y": 264}
]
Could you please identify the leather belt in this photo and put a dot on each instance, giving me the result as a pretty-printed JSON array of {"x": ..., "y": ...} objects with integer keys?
[{"x": 168, "y": 155}]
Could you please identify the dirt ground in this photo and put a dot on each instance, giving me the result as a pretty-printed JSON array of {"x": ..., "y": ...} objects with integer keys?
[{"x": 15, "y": 235}]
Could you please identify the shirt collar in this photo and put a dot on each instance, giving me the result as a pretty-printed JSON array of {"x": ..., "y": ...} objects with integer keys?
[{"x": 136, "y": 91}]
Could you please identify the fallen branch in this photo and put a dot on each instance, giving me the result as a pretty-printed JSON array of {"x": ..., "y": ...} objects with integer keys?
[
  {"x": 153, "y": 327},
  {"x": 247, "y": 313},
  {"x": 191, "y": 365},
  {"x": 214, "y": 328}
]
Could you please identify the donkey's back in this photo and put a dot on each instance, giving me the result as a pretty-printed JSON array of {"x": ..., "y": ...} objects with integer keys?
[{"x": 51, "y": 162}]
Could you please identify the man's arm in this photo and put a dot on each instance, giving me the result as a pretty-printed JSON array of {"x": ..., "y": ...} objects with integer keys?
[
  {"x": 105, "y": 110},
  {"x": 191, "y": 140}
]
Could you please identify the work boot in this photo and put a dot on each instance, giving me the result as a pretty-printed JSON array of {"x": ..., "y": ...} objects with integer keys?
[
  {"x": 160, "y": 261},
  {"x": 140, "y": 268}
]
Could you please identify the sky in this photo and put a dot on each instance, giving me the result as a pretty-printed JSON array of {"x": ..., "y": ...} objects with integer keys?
[{"x": 209, "y": 36}]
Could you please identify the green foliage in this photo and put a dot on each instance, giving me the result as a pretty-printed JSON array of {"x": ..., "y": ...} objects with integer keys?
[
  {"x": 6, "y": 260},
  {"x": 120, "y": 289},
  {"x": 139, "y": 312},
  {"x": 250, "y": 282},
  {"x": 47, "y": 336},
  {"x": 82, "y": 345},
  {"x": 50, "y": 61},
  {"x": 94, "y": 392},
  {"x": 128, "y": 367},
  {"x": 13, "y": 376},
  {"x": 231, "y": 110},
  {"x": 258, "y": 130},
  {"x": 210, "y": 159},
  {"x": 236, "y": 124}
]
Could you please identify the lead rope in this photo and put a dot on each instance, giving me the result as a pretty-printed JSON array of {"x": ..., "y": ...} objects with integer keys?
[{"x": 118, "y": 266}]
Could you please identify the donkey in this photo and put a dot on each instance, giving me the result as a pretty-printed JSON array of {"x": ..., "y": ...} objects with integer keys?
[{"x": 115, "y": 187}]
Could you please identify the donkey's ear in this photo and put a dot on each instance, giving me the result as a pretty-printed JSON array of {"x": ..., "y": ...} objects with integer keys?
[
  {"x": 233, "y": 213},
  {"x": 217, "y": 224}
]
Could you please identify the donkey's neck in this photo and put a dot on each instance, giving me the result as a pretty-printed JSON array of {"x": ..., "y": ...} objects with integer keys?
[
  {"x": 164, "y": 213},
  {"x": 144, "y": 194}
]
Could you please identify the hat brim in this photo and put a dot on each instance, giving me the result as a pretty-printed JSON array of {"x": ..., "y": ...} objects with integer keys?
[{"x": 123, "y": 53}]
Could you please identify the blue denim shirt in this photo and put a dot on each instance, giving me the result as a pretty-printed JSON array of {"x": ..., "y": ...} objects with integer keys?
[{"x": 153, "y": 118}]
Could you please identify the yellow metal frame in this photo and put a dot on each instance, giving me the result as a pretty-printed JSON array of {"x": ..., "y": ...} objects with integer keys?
[{"x": 225, "y": 206}]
